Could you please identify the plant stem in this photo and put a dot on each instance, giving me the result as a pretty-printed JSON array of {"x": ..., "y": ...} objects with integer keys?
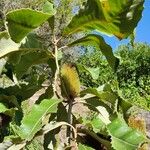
[
  {"x": 57, "y": 66},
  {"x": 69, "y": 120},
  {"x": 56, "y": 53}
]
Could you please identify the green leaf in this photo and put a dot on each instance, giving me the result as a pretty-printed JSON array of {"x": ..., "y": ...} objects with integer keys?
[
  {"x": 32, "y": 122},
  {"x": 23, "y": 91},
  {"x": 84, "y": 147},
  {"x": 7, "y": 45},
  {"x": 99, "y": 42},
  {"x": 21, "y": 22},
  {"x": 49, "y": 8},
  {"x": 104, "y": 96},
  {"x": 124, "y": 137},
  {"x": 49, "y": 93},
  {"x": 94, "y": 72},
  {"x": 95, "y": 122},
  {"x": 29, "y": 54},
  {"x": 32, "y": 41},
  {"x": 119, "y": 18},
  {"x": 28, "y": 60},
  {"x": 3, "y": 108}
]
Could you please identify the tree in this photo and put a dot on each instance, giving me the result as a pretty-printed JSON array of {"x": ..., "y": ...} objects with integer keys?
[
  {"x": 22, "y": 50},
  {"x": 132, "y": 74}
]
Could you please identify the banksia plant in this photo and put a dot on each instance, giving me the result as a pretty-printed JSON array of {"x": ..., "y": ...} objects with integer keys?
[{"x": 70, "y": 81}]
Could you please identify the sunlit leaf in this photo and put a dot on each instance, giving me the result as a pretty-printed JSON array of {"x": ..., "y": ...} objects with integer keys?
[
  {"x": 48, "y": 8},
  {"x": 119, "y": 18},
  {"x": 7, "y": 45},
  {"x": 32, "y": 122},
  {"x": 21, "y": 22},
  {"x": 94, "y": 72},
  {"x": 124, "y": 137},
  {"x": 99, "y": 42}
]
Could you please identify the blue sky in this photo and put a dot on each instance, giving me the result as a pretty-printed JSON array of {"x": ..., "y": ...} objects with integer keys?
[{"x": 142, "y": 30}]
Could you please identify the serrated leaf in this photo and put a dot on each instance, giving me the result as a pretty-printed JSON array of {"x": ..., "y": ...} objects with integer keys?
[
  {"x": 49, "y": 93},
  {"x": 119, "y": 18},
  {"x": 32, "y": 122},
  {"x": 124, "y": 137},
  {"x": 35, "y": 144},
  {"x": 70, "y": 81},
  {"x": 21, "y": 22},
  {"x": 84, "y": 147},
  {"x": 30, "y": 53},
  {"x": 99, "y": 42}
]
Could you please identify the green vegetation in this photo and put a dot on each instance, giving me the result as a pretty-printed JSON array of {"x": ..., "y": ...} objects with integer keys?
[
  {"x": 32, "y": 63},
  {"x": 132, "y": 76}
]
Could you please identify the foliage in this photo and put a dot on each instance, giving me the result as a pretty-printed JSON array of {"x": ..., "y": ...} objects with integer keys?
[
  {"x": 133, "y": 72},
  {"x": 93, "y": 59},
  {"x": 131, "y": 76},
  {"x": 25, "y": 121}
]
